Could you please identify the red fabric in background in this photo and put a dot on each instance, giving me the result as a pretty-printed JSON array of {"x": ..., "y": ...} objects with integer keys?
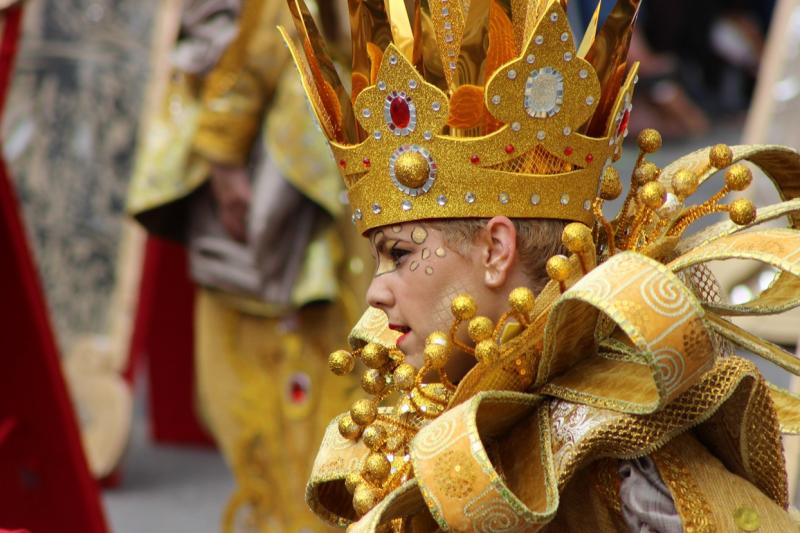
[
  {"x": 45, "y": 485},
  {"x": 163, "y": 340}
]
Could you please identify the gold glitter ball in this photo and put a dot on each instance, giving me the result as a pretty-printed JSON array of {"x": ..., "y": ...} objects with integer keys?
[
  {"x": 577, "y": 237},
  {"x": 610, "y": 184},
  {"x": 738, "y": 177},
  {"x": 376, "y": 468},
  {"x": 348, "y": 428},
  {"x": 487, "y": 351},
  {"x": 365, "y": 498},
  {"x": 374, "y": 355},
  {"x": 480, "y": 328},
  {"x": 411, "y": 169},
  {"x": 363, "y": 412},
  {"x": 558, "y": 268},
  {"x": 684, "y": 183},
  {"x": 352, "y": 481},
  {"x": 436, "y": 355},
  {"x": 742, "y": 211},
  {"x": 747, "y": 519},
  {"x": 341, "y": 362},
  {"x": 645, "y": 173},
  {"x": 437, "y": 337},
  {"x": 653, "y": 195},
  {"x": 463, "y": 307},
  {"x": 649, "y": 140},
  {"x": 374, "y": 437},
  {"x": 404, "y": 376},
  {"x": 521, "y": 299},
  {"x": 373, "y": 382},
  {"x": 720, "y": 155}
]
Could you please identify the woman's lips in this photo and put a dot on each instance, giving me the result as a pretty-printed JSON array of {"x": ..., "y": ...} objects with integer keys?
[{"x": 405, "y": 330}]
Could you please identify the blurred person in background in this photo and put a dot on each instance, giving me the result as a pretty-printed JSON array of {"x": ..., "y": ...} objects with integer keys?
[{"x": 234, "y": 168}]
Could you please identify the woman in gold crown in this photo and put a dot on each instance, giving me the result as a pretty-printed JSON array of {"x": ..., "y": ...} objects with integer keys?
[{"x": 530, "y": 364}]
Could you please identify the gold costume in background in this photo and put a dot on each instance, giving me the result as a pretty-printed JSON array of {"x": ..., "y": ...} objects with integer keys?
[
  {"x": 488, "y": 108},
  {"x": 260, "y": 343}
]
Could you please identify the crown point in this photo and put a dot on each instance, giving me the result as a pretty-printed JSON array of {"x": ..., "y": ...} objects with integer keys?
[{"x": 510, "y": 148}]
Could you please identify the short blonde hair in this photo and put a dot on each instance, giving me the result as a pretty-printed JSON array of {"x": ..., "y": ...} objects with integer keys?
[{"x": 538, "y": 239}]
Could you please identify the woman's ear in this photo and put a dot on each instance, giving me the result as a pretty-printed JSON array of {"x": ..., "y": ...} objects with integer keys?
[{"x": 499, "y": 251}]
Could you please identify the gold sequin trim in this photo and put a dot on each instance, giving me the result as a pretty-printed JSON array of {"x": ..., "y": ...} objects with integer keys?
[{"x": 689, "y": 500}]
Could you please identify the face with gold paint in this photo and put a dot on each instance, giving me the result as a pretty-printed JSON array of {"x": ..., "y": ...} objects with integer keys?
[{"x": 417, "y": 275}]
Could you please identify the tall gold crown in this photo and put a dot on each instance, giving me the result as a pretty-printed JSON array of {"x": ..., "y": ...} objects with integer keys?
[{"x": 477, "y": 109}]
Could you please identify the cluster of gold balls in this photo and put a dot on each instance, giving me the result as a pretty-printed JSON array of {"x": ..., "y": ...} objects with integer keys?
[{"x": 650, "y": 209}]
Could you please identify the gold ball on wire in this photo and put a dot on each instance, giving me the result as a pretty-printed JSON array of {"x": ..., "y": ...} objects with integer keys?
[
  {"x": 738, "y": 177},
  {"x": 649, "y": 140},
  {"x": 577, "y": 237},
  {"x": 610, "y": 184},
  {"x": 684, "y": 183},
  {"x": 348, "y": 428},
  {"x": 487, "y": 351},
  {"x": 404, "y": 376},
  {"x": 720, "y": 155},
  {"x": 436, "y": 355},
  {"x": 480, "y": 328},
  {"x": 374, "y": 355},
  {"x": 558, "y": 268},
  {"x": 341, "y": 362},
  {"x": 364, "y": 412},
  {"x": 463, "y": 307},
  {"x": 373, "y": 382},
  {"x": 742, "y": 211},
  {"x": 437, "y": 337},
  {"x": 653, "y": 195},
  {"x": 365, "y": 498},
  {"x": 376, "y": 468},
  {"x": 521, "y": 300},
  {"x": 645, "y": 173},
  {"x": 374, "y": 437}
]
